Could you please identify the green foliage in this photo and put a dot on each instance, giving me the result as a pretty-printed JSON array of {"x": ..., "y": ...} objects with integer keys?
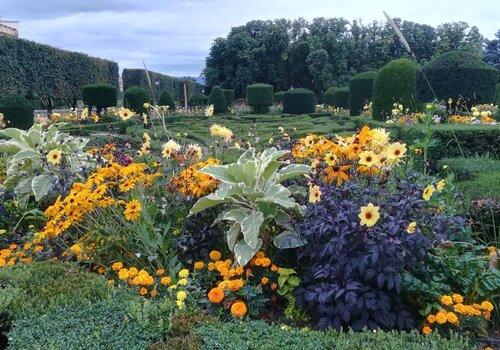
[
  {"x": 100, "y": 95},
  {"x": 229, "y": 96},
  {"x": 17, "y": 110},
  {"x": 328, "y": 97},
  {"x": 30, "y": 174},
  {"x": 497, "y": 97},
  {"x": 340, "y": 97},
  {"x": 458, "y": 74},
  {"x": 217, "y": 99},
  {"x": 299, "y": 101},
  {"x": 198, "y": 100},
  {"x": 278, "y": 97},
  {"x": 167, "y": 100},
  {"x": 253, "y": 186},
  {"x": 483, "y": 185},
  {"x": 175, "y": 86},
  {"x": 42, "y": 71},
  {"x": 260, "y": 335},
  {"x": 361, "y": 91},
  {"x": 135, "y": 97},
  {"x": 469, "y": 168},
  {"x": 395, "y": 83},
  {"x": 260, "y": 97}
]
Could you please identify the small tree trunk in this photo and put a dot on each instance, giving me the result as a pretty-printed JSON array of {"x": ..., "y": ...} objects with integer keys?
[{"x": 50, "y": 106}]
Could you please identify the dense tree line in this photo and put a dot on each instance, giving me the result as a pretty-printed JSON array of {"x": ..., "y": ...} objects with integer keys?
[{"x": 327, "y": 51}]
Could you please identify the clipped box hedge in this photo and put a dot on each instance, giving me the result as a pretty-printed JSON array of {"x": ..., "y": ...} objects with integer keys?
[
  {"x": 299, "y": 101},
  {"x": 338, "y": 97},
  {"x": 360, "y": 91},
  {"x": 260, "y": 97}
]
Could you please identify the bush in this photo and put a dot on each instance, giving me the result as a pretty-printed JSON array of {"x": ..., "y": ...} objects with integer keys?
[
  {"x": 278, "y": 96},
  {"x": 99, "y": 95},
  {"x": 17, "y": 111},
  {"x": 338, "y": 97},
  {"x": 167, "y": 100},
  {"x": 497, "y": 97},
  {"x": 198, "y": 100},
  {"x": 260, "y": 335},
  {"x": 395, "y": 83},
  {"x": 260, "y": 97},
  {"x": 458, "y": 74},
  {"x": 135, "y": 97},
  {"x": 102, "y": 325},
  {"x": 217, "y": 99},
  {"x": 361, "y": 91},
  {"x": 299, "y": 101},
  {"x": 229, "y": 96},
  {"x": 469, "y": 168}
]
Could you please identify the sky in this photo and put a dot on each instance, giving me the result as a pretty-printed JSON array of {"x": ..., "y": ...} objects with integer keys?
[{"x": 174, "y": 36}]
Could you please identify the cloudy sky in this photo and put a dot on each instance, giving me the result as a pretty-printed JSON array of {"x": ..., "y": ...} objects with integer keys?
[{"x": 174, "y": 36}]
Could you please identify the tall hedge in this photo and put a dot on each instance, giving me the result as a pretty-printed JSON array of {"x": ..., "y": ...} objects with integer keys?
[
  {"x": 299, "y": 101},
  {"x": 217, "y": 99},
  {"x": 135, "y": 97},
  {"x": 360, "y": 91},
  {"x": 43, "y": 72},
  {"x": 338, "y": 97},
  {"x": 174, "y": 85},
  {"x": 497, "y": 95},
  {"x": 278, "y": 97},
  {"x": 458, "y": 74},
  {"x": 17, "y": 111},
  {"x": 229, "y": 96},
  {"x": 100, "y": 95},
  {"x": 260, "y": 97},
  {"x": 167, "y": 100},
  {"x": 395, "y": 82},
  {"x": 198, "y": 100}
]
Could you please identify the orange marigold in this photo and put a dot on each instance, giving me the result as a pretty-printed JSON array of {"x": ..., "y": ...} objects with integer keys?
[
  {"x": 215, "y": 295},
  {"x": 238, "y": 309}
]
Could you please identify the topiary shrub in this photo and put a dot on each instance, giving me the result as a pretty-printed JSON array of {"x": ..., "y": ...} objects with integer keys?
[
  {"x": 17, "y": 110},
  {"x": 260, "y": 97},
  {"x": 217, "y": 99},
  {"x": 497, "y": 96},
  {"x": 458, "y": 74},
  {"x": 167, "y": 100},
  {"x": 198, "y": 100},
  {"x": 395, "y": 82},
  {"x": 278, "y": 96},
  {"x": 100, "y": 95},
  {"x": 328, "y": 97},
  {"x": 135, "y": 97},
  {"x": 229, "y": 96},
  {"x": 360, "y": 91},
  {"x": 299, "y": 101},
  {"x": 341, "y": 97}
]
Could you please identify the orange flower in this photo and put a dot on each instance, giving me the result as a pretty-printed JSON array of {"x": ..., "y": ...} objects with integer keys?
[
  {"x": 199, "y": 265},
  {"x": 165, "y": 281},
  {"x": 337, "y": 173},
  {"x": 264, "y": 281},
  {"x": 143, "y": 291},
  {"x": 238, "y": 309},
  {"x": 215, "y": 255},
  {"x": 426, "y": 330},
  {"x": 216, "y": 295}
]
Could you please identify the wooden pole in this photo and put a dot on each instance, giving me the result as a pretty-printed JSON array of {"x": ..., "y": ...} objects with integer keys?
[{"x": 185, "y": 95}]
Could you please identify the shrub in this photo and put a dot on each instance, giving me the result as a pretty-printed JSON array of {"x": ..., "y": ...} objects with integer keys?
[
  {"x": 278, "y": 96},
  {"x": 299, "y": 101},
  {"x": 361, "y": 91},
  {"x": 260, "y": 97},
  {"x": 260, "y": 335},
  {"x": 458, "y": 74},
  {"x": 135, "y": 97},
  {"x": 167, "y": 100},
  {"x": 338, "y": 97},
  {"x": 198, "y": 100},
  {"x": 469, "y": 168},
  {"x": 217, "y": 99},
  {"x": 99, "y": 95},
  {"x": 17, "y": 111},
  {"x": 229, "y": 96},
  {"x": 395, "y": 83},
  {"x": 352, "y": 275}
]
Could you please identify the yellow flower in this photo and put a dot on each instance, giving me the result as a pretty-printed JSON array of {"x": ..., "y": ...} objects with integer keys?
[
  {"x": 330, "y": 158},
  {"x": 183, "y": 273},
  {"x": 180, "y": 304},
  {"x": 238, "y": 309},
  {"x": 169, "y": 147},
  {"x": 182, "y": 281},
  {"x": 181, "y": 295},
  {"x": 428, "y": 191},
  {"x": 369, "y": 215},
  {"x": 457, "y": 298},
  {"x": 3, "y": 232},
  {"x": 76, "y": 249},
  {"x": 165, "y": 280},
  {"x": 216, "y": 295},
  {"x": 132, "y": 272},
  {"x": 487, "y": 306},
  {"x": 123, "y": 274},
  {"x": 368, "y": 158},
  {"x": 446, "y": 300},
  {"x": 117, "y": 266},
  {"x": 412, "y": 227},
  {"x": 426, "y": 330},
  {"x": 314, "y": 194},
  {"x": 441, "y": 317},
  {"x": 452, "y": 318},
  {"x": 440, "y": 185},
  {"x": 215, "y": 255},
  {"x": 396, "y": 151},
  {"x": 222, "y": 132},
  {"x": 431, "y": 318},
  {"x": 199, "y": 265},
  {"x": 264, "y": 280},
  {"x": 132, "y": 210},
  {"x": 54, "y": 156},
  {"x": 125, "y": 114},
  {"x": 160, "y": 272}
]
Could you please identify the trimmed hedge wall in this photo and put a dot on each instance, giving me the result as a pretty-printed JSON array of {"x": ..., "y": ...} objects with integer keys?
[
  {"x": 40, "y": 71},
  {"x": 260, "y": 97},
  {"x": 458, "y": 74},
  {"x": 340, "y": 97},
  {"x": 174, "y": 85},
  {"x": 100, "y": 95},
  {"x": 198, "y": 100},
  {"x": 299, "y": 101},
  {"x": 360, "y": 91},
  {"x": 134, "y": 98},
  {"x": 395, "y": 83},
  {"x": 497, "y": 95},
  {"x": 229, "y": 96},
  {"x": 278, "y": 96}
]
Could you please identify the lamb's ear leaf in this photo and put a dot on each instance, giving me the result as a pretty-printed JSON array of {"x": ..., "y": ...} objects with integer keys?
[{"x": 243, "y": 252}]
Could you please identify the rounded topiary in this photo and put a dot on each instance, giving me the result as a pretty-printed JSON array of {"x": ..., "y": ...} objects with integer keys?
[
  {"x": 217, "y": 99},
  {"x": 229, "y": 96},
  {"x": 260, "y": 97},
  {"x": 338, "y": 97},
  {"x": 198, "y": 100},
  {"x": 458, "y": 74},
  {"x": 99, "y": 95},
  {"x": 278, "y": 96},
  {"x": 17, "y": 110},
  {"x": 360, "y": 91},
  {"x": 299, "y": 101},
  {"x": 167, "y": 100},
  {"x": 395, "y": 83},
  {"x": 135, "y": 97}
]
